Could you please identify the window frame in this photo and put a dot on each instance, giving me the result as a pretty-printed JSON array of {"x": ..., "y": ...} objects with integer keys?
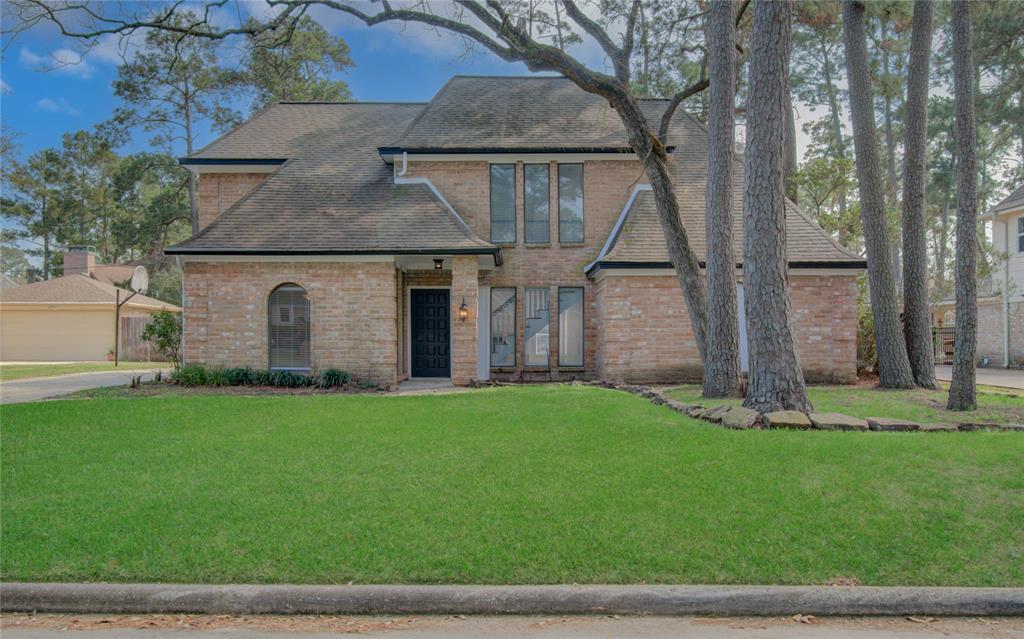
[
  {"x": 526, "y": 339},
  {"x": 526, "y": 213},
  {"x": 515, "y": 329},
  {"x": 1020, "y": 234},
  {"x": 515, "y": 203},
  {"x": 583, "y": 206},
  {"x": 583, "y": 327},
  {"x": 291, "y": 322}
]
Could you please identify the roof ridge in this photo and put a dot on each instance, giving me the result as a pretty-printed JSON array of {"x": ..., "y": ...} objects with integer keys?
[{"x": 353, "y": 102}]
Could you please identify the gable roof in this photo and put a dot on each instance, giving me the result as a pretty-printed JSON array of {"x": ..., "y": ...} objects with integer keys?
[
  {"x": 77, "y": 289},
  {"x": 535, "y": 113},
  {"x": 640, "y": 242},
  {"x": 1012, "y": 201},
  {"x": 333, "y": 195}
]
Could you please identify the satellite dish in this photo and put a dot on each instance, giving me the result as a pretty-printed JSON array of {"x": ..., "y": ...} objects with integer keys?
[{"x": 140, "y": 279}]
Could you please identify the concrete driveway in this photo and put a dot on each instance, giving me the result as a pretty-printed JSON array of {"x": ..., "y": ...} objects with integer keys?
[
  {"x": 1005, "y": 377},
  {"x": 37, "y": 388}
]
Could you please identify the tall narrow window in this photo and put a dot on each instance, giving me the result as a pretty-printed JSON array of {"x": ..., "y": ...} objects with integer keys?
[
  {"x": 1020, "y": 234},
  {"x": 537, "y": 203},
  {"x": 289, "y": 328},
  {"x": 570, "y": 202},
  {"x": 538, "y": 326},
  {"x": 503, "y": 327},
  {"x": 503, "y": 203},
  {"x": 570, "y": 326}
]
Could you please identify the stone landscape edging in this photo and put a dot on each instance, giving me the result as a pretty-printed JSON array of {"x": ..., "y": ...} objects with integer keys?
[
  {"x": 744, "y": 418},
  {"x": 80, "y": 598}
]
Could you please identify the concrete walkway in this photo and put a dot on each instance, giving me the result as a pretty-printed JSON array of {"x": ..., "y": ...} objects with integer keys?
[
  {"x": 266, "y": 627},
  {"x": 37, "y": 388},
  {"x": 1005, "y": 377}
]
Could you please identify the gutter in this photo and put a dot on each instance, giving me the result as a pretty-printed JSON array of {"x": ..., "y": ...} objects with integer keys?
[
  {"x": 185, "y": 250},
  {"x": 187, "y": 161},
  {"x": 619, "y": 265}
]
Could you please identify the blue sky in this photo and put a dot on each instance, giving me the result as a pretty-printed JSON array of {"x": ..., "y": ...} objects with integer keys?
[{"x": 43, "y": 99}]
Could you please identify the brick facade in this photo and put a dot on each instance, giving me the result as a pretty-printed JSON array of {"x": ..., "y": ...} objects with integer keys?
[
  {"x": 219, "y": 191},
  {"x": 607, "y": 186},
  {"x": 645, "y": 331},
  {"x": 353, "y": 313},
  {"x": 635, "y": 327}
]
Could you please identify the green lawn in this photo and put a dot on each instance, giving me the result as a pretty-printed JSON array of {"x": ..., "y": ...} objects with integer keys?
[
  {"x": 10, "y": 372},
  {"x": 542, "y": 484},
  {"x": 922, "y": 406}
]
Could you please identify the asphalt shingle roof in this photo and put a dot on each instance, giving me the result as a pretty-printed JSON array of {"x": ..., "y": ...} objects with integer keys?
[
  {"x": 1012, "y": 201},
  {"x": 76, "y": 289},
  {"x": 334, "y": 194},
  {"x": 474, "y": 112}
]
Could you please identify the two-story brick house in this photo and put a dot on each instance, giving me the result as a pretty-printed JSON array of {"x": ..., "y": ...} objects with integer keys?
[{"x": 502, "y": 230}]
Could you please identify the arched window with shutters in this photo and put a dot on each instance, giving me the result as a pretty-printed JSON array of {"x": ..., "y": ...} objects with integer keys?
[{"x": 289, "y": 328}]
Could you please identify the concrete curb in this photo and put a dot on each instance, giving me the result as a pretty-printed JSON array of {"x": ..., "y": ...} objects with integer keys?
[{"x": 515, "y": 600}]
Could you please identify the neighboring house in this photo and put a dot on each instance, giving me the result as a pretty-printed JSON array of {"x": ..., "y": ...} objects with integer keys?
[
  {"x": 503, "y": 230},
  {"x": 71, "y": 318},
  {"x": 1001, "y": 302}
]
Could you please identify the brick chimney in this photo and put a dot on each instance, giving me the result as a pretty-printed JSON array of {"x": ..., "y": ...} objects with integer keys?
[{"x": 79, "y": 260}]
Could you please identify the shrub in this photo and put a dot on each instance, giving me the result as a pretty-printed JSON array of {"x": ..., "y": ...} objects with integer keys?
[
  {"x": 332, "y": 377},
  {"x": 261, "y": 378},
  {"x": 288, "y": 379},
  {"x": 217, "y": 377},
  {"x": 191, "y": 375},
  {"x": 164, "y": 331},
  {"x": 367, "y": 383},
  {"x": 243, "y": 376}
]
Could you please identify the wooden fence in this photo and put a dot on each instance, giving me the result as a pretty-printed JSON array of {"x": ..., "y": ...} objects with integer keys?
[{"x": 133, "y": 348}]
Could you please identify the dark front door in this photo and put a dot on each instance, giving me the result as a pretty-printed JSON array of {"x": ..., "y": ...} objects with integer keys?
[{"x": 431, "y": 337}]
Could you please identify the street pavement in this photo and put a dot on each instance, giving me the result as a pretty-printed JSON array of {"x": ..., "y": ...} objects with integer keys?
[
  {"x": 1005, "y": 377},
  {"x": 23, "y": 626}
]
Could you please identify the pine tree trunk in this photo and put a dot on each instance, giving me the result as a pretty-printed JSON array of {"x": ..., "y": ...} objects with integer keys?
[
  {"x": 961, "y": 389},
  {"x": 775, "y": 381},
  {"x": 791, "y": 163},
  {"x": 893, "y": 363},
  {"x": 722, "y": 375},
  {"x": 890, "y": 159},
  {"x": 917, "y": 319}
]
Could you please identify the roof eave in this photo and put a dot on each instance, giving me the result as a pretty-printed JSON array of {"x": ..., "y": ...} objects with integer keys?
[
  {"x": 386, "y": 152},
  {"x": 852, "y": 265},
  {"x": 482, "y": 250}
]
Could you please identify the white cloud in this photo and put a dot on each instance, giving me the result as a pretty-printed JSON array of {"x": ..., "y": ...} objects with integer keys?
[
  {"x": 64, "y": 61},
  {"x": 60, "y": 105},
  {"x": 5, "y": 88}
]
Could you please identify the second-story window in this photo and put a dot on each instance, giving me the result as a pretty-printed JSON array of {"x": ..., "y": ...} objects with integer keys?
[
  {"x": 1020, "y": 234},
  {"x": 570, "y": 202},
  {"x": 503, "y": 203},
  {"x": 537, "y": 203}
]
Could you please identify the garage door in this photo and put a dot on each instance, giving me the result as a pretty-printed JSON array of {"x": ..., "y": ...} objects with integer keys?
[{"x": 56, "y": 336}]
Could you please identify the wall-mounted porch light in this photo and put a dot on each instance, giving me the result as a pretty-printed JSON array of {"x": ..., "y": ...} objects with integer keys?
[
  {"x": 438, "y": 263},
  {"x": 463, "y": 311}
]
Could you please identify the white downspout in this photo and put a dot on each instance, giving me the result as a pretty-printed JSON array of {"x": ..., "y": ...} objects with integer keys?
[{"x": 405, "y": 164}]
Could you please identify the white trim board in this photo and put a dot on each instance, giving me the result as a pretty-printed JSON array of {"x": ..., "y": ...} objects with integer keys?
[{"x": 199, "y": 257}]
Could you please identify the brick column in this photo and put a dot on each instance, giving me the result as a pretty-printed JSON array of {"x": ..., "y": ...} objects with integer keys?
[{"x": 465, "y": 285}]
